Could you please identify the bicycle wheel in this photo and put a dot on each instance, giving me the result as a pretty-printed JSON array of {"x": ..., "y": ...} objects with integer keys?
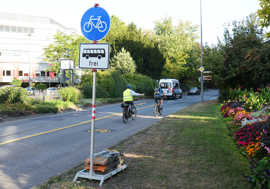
[
  {"x": 159, "y": 109},
  {"x": 155, "y": 109},
  {"x": 102, "y": 26},
  {"x": 87, "y": 27},
  {"x": 124, "y": 116},
  {"x": 134, "y": 113}
]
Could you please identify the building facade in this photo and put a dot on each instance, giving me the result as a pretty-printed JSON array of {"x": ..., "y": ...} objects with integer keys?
[{"x": 23, "y": 39}]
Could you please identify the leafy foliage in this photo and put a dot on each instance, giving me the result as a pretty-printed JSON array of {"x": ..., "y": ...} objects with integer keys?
[
  {"x": 264, "y": 13},
  {"x": 70, "y": 94},
  {"x": 41, "y": 86},
  {"x": 12, "y": 95},
  {"x": 165, "y": 52},
  {"x": 123, "y": 62},
  {"x": 16, "y": 82},
  {"x": 260, "y": 174},
  {"x": 177, "y": 43},
  {"x": 245, "y": 65},
  {"x": 113, "y": 83}
]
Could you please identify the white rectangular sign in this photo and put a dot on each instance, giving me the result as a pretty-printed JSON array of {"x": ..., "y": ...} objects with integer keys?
[
  {"x": 66, "y": 64},
  {"x": 94, "y": 56}
]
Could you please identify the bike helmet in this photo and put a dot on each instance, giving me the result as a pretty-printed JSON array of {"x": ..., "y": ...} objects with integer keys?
[{"x": 128, "y": 86}]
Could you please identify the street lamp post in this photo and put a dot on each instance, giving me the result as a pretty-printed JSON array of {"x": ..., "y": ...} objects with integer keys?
[
  {"x": 29, "y": 62},
  {"x": 201, "y": 51}
]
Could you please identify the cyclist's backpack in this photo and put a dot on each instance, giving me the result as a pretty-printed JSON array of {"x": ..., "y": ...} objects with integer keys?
[{"x": 157, "y": 93}]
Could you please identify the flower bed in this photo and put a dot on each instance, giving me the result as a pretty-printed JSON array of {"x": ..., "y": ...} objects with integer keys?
[{"x": 250, "y": 129}]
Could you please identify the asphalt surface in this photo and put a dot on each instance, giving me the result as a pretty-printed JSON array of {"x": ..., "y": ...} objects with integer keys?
[{"x": 34, "y": 149}]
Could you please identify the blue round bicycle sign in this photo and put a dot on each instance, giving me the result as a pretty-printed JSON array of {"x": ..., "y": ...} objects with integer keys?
[{"x": 95, "y": 23}]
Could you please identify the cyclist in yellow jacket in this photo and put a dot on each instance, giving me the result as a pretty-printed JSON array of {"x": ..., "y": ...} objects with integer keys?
[{"x": 128, "y": 95}]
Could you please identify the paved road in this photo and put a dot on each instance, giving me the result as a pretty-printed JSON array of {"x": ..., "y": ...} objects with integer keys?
[{"x": 36, "y": 148}]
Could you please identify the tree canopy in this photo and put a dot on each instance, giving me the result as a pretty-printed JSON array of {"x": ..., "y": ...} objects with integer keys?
[
  {"x": 123, "y": 62},
  {"x": 245, "y": 58},
  {"x": 167, "y": 51}
]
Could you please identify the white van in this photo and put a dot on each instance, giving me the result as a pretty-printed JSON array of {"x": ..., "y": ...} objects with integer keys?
[{"x": 171, "y": 88}]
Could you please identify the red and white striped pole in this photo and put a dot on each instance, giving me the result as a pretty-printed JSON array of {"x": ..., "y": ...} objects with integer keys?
[{"x": 94, "y": 71}]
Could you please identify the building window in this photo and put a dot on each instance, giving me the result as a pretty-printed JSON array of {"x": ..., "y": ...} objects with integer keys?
[
  {"x": 48, "y": 74},
  {"x": 6, "y": 28},
  {"x": 16, "y": 29},
  {"x": 38, "y": 74},
  {"x": 42, "y": 73},
  {"x": 20, "y": 73},
  {"x": 13, "y": 28},
  {"x": 4, "y": 73},
  {"x": 8, "y": 73},
  {"x": 19, "y": 30}
]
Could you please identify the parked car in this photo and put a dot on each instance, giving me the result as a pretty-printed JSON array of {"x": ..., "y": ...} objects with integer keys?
[
  {"x": 51, "y": 90},
  {"x": 5, "y": 86},
  {"x": 30, "y": 90},
  {"x": 171, "y": 88},
  {"x": 194, "y": 91}
]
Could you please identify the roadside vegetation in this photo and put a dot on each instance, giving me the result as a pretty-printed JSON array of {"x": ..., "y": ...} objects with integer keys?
[
  {"x": 189, "y": 149},
  {"x": 246, "y": 113},
  {"x": 15, "y": 101}
]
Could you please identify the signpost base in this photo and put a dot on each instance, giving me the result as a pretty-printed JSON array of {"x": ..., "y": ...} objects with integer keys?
[{"x": 101, "y": 177}]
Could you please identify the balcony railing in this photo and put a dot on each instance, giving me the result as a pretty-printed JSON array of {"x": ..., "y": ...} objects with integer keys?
[{"x": 39, "y": 79}]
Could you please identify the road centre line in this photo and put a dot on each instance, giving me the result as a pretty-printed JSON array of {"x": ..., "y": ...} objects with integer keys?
[
  {"x": 51, "y": 131},
  {"x": 61, "y": 128},
  {"x": 140, "y": 104}
]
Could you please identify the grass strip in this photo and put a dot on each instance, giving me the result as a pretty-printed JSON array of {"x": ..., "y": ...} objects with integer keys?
[{"x": 189, "y": 149}]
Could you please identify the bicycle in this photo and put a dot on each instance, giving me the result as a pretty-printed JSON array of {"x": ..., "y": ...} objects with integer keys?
[
  {"x": 157, "y": 107},
  {"x": 100, "y": 25},
  {"x": 129, "y": 111}
]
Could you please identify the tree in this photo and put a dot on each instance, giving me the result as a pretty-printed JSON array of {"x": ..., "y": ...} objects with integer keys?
[
  {"x": 243, "y": 65},
  {"x": 141, "y": 45},
  {"x": 123, "y": 62},
  {"x": 64, "y": 46},
  {"x": 176, "y": 44},
  {"x": 213, "y": 61},
  {"x": 16, "y": 82},
  {"x": 264, "y": 13},
  {"x": 164, "y": 27},
  {"x": 41, "y": 87}
]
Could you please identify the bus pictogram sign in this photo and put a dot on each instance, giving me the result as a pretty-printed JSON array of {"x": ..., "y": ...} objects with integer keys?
[{"x": 94, "y": 56}]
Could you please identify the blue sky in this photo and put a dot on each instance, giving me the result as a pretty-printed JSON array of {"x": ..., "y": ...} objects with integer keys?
[{"x": 144, "y": 13}]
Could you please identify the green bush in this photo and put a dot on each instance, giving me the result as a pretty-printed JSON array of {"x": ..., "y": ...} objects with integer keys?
[
  {"x": 52, "y": 106},
  {"x": 61, "y": 105},
  {"x": 109, "y": 84},
  {"x": 45, "y": 108},
  {"x": 259, "y": 176},
  {"x": 15, "y": 109},
  {"x": 141, "y": 83},
  {"x": 12, "y": 95},
  {"x": 16, "y": 82},
  {"x": 120, "y": 84},
  {"x": 41, "y": 86},
  {"x": 112, "y": 84},
  {"x": 87, "y": 91},
  {"x": 70, "y": 94}
]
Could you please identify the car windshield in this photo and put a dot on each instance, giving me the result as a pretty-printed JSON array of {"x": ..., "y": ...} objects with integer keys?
[{"x": 165, "y": 85}]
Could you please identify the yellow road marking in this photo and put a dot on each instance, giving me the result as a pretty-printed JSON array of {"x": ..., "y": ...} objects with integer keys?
[
  {"x": 51, "y": 131},
  {"x": 62, "y": 128},
  {"x": 140, "y": 104},
  {"x": 145, "y": 107}
]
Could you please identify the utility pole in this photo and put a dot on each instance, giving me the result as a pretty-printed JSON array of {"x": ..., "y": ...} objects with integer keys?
[
  {"x": 201, "y": 51},
  {"x": 29, "y": 61}
]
